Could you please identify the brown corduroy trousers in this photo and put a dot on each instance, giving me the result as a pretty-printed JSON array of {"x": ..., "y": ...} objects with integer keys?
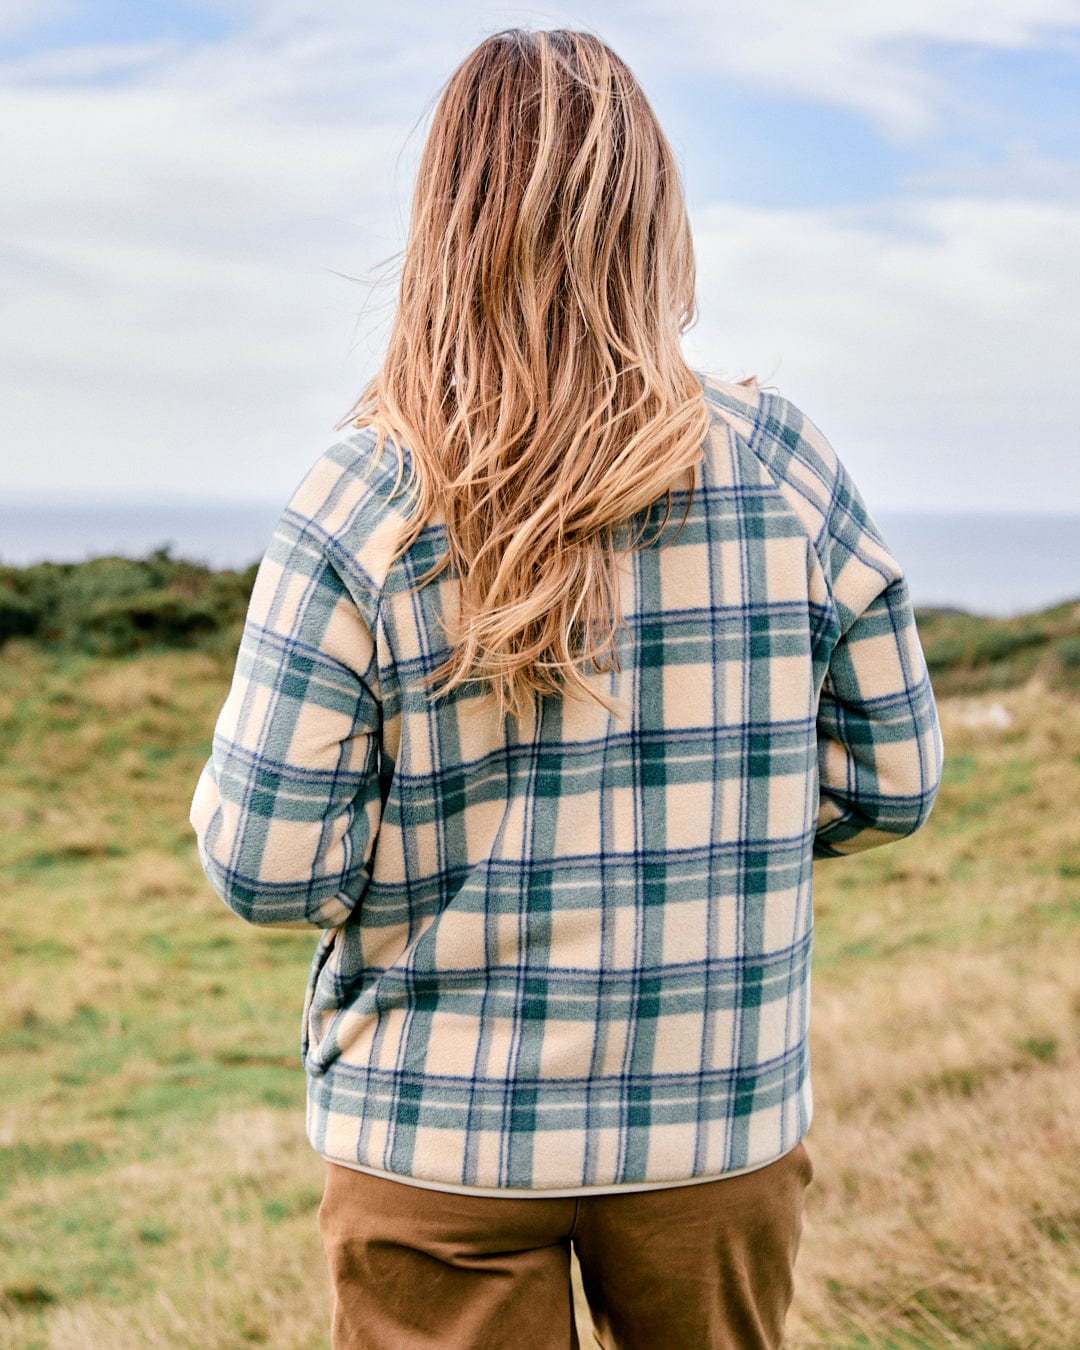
[{"x": 685, "y": 1268}]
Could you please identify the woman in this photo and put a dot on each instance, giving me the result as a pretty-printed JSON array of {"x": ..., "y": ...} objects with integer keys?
[{"x": 561, "y": 668}]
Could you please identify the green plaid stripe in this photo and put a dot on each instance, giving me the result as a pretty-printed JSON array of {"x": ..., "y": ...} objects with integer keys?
[{"x": 574, "y": 951}]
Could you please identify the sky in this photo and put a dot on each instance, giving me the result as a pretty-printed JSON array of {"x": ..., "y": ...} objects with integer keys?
[{"x": 203, "y": 202}]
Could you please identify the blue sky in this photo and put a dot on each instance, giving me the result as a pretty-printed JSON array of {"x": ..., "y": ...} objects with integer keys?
[
  {"x": 886, "y": 208},
  {"x": 58, "y": 27}
]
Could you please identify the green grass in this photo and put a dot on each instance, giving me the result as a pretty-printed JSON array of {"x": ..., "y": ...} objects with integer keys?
[{"x": 155, "y": 1185}]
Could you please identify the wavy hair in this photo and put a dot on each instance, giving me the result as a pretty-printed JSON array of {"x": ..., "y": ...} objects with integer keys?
[{"x": 534, "y": 368}]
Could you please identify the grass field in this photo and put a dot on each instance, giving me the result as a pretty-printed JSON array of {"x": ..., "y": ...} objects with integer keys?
[{"x": 156, "y": 1189}]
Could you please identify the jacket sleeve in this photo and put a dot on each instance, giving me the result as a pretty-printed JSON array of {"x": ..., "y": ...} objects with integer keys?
[
  {"x": 288, "y": 807},
  {"x": 879, "y": 740}
]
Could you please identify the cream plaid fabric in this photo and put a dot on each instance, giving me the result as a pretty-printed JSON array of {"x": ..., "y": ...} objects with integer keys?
[{"x": 573, "y": 951}]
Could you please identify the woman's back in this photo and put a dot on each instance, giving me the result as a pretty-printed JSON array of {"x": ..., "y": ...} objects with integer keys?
[
  {"x": 560, "y": 670},
  {"x": 571, "y": 950}
]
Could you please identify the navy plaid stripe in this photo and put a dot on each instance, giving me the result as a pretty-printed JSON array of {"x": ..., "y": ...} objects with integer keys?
[{"x": 573, "y": 951}]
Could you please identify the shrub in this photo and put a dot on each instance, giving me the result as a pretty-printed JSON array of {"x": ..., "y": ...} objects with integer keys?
[
  {"x": 119, "y": 605},
  {"x": 127, "y": 623},
  {"x": 19, "y": 615},
  {"x": 1068, "y": 652},
  {"x": 993, "y": 643}
]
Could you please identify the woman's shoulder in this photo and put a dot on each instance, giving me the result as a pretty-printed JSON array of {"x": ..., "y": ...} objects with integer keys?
[
  {"x": 736, "y": 395},
  {"x": 817, "y": 486},
  {"x": 353, "y": 503},
  {"x": 791, "y": 448},
  {"x": 364, "y": 469}
]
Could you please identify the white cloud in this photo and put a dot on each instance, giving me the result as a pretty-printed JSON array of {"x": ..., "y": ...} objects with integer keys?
[
  {"x": 866, "y": 57},
  {"x": 932, "y": 340},
  {"x": 97, "y": 61},
  {"x": 171, "y": 317},
  {"x": 20, "y": 16},
  {"x": 1022, "y": 172}
]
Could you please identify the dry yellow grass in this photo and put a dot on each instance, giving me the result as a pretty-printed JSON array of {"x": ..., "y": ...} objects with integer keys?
[
  {"x": 946, "y": 1206},
  {"x": 159, "y": 1190},
  {"x": 224, "y": 1234}
]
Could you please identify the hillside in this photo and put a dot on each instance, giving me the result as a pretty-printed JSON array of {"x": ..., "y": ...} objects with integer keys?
[{"x": 152, "y": 1160}]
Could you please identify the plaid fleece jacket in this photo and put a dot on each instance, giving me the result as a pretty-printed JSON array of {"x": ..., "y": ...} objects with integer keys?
[{"x": 572, "y": 951}]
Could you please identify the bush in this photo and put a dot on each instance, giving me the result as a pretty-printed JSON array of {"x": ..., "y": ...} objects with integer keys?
[
  {"x": 19, "y": 615},
  {"x": 970, "y": 654},
  {"x": 1068, "y": 653},
  {"x": 992, "y": 644},
  {"x": 119, "y": 605},
  {"x": 129, "y": 623},
  {"x": 943, "y": 654}
]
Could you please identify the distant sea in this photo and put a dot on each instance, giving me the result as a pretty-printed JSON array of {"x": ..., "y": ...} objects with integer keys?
[{"x": 987, "y": 564}]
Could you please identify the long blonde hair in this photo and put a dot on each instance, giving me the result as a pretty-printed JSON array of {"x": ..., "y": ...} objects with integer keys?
[{"x": 534, "y": 369}]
